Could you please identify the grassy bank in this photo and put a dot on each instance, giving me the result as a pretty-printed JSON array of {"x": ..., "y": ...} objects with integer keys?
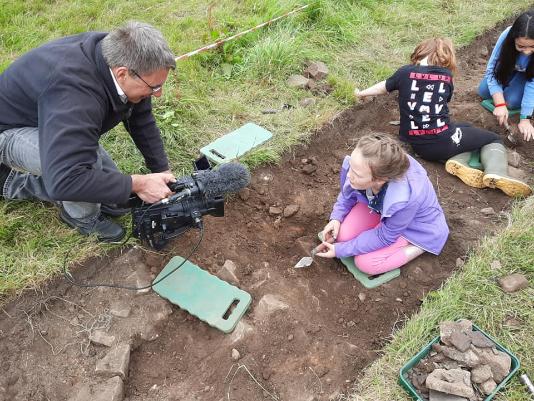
[
  {"x": 472, "y": 294},
  {"x": 216, "y": 92}
]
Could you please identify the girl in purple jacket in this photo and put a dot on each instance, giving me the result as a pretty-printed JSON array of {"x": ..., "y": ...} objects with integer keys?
[{"x": 386, "y": 213}]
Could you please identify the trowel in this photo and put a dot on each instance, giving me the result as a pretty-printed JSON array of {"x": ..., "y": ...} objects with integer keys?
[
  {"x": 510, "y": 135},
  {"x": 306, "y": 261}
]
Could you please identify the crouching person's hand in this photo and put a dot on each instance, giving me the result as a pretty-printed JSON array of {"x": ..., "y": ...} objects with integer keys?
[
  {"x": 152, "y": 188},
  {"x": 326, "y": 250}
]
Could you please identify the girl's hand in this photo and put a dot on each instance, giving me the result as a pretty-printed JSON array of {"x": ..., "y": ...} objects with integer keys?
[
  {"x": 526, "y": 128},
  {"x": 501, "y": 113},
  {"x": 331, "y": 230},
  {"x": 328, "y": 250}
]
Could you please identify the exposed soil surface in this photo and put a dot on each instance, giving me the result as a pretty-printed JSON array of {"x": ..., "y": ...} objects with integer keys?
[{"x": 311, "y": 345}]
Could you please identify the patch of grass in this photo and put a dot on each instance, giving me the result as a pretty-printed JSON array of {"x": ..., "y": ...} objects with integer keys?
[
  {"x": 472, "y": 293},
  {"x": 218, "y": 91}
]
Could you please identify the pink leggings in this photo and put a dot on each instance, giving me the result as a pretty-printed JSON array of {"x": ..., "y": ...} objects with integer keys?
[{"x": 361, "y": 219}]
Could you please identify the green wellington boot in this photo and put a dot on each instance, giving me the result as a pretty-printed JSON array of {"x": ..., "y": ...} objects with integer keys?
[
  {"x": 495, "y": 161},
  {"x": 459, "y": 166}
]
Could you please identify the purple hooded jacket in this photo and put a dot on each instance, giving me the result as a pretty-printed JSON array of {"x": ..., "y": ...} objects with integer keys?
[{"x": 410, "y": 210}]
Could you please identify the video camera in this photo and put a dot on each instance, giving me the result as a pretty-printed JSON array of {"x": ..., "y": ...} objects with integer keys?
[{"x": 194, "y": 196}]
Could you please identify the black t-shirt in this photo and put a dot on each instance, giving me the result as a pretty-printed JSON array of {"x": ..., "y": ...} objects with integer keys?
[{"x": 423, "y": 95}]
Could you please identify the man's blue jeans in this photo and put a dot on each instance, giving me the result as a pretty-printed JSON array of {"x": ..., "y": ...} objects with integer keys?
[{"x": 19, "y": 149}]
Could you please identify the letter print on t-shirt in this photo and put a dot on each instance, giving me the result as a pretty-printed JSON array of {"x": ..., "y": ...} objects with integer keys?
[
  {"x": 423, "y": 95},
  {"x": 426, "y": 99}
]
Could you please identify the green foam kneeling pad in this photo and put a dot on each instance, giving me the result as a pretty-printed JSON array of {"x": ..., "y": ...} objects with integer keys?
[
  {"x": 236, "y": 143},
  {"x": 367, "y": 280},
  {"x": 488, "y": 105},
  {"x": 203, "y": 295}
]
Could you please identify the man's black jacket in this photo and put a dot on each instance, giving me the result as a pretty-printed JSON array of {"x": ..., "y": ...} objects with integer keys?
[{"x": 65, "y": 89}]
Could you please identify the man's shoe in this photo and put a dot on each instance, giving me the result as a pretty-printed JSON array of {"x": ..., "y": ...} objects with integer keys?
[
  {"x": 105, "y": 229},
  {"x": 113, "y": 210},
  {"x": 4, "y": 173}
]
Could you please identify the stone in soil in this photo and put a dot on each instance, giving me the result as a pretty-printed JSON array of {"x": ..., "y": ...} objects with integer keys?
[
  {"x": 100, "y": 337},
  {"x": 267, "y": 305},
  {"x": 110, "y": 390},
  {"x": 291, "y": 210},
  {"x": 115, "y": 363},
  {"x": 228, "y": 272},
  {"x": 120, "y": 309}
]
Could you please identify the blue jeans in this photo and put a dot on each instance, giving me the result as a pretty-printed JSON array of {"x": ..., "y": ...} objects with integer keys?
[
  {"x": 513, "y": 93},
  {"x": 19, "y": 149}
]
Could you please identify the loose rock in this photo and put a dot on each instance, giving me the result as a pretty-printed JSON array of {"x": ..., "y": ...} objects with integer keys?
[
  {"x": 297, "y": 81},
  {"x": 488, "y": 386},
  {"x": 480, "y": 340},
  {"x": 316, "y": 70},
  {"x": 513, "y": 282},
  {"x": 460, "y": 341},
  {"x": 480, "y": 374},
  {"x": 307, "y": 102},
  {"x": 514, "y": 159},
  {"x": 235, "y": 354},
  {"x": 437, "y": 396},
  {"x": 453, "y": 381}
]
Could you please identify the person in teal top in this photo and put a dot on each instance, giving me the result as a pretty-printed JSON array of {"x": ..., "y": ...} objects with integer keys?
[{"x": 509, "y": 78}]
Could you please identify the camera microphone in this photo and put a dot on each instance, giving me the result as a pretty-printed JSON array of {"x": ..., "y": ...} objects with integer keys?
[{"x": 229, "y": 177}]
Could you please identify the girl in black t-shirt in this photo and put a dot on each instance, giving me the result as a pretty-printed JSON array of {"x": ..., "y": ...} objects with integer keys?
[{"x": 425, "y": 87}]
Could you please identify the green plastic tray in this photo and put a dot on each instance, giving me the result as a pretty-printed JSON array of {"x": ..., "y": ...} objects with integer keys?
[
  {"x": 410, "y": 389},
  {"x": 488, "y": 105},
  {"x": 203, "y": 295},
  {"x": 235, "y": 143}
]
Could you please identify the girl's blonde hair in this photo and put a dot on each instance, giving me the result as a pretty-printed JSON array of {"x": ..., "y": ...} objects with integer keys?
[
  {"x": 440, "y": 52},
  {"x": 384, "y": 155}
]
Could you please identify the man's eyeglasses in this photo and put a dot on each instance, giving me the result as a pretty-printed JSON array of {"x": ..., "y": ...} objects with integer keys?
[{"x": 155, "y": 89}]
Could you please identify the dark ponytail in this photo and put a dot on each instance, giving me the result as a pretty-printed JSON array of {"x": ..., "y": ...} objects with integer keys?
[{"x": 523, "y": 27}]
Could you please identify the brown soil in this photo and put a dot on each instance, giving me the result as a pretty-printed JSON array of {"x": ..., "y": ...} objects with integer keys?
[{"x": 333, "y": 327}]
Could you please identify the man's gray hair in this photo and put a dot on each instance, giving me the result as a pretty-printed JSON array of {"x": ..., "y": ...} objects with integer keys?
[{"x": 139, "y": 47}]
